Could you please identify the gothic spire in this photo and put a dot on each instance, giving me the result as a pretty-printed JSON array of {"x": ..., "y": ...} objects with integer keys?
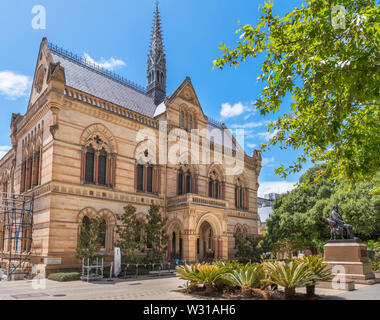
[{"x": 156, "y": 72}]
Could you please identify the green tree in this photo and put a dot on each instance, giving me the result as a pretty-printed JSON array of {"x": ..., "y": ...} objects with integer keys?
[
  {"x": 331, "y": 71},
  {"x": 156, "y": 236},
  {"x": 249, "y": 247},
  {"x": 90, "y": 238},
  {"x": 129, "y": 230},
  {"x": 299, "y": 216}
]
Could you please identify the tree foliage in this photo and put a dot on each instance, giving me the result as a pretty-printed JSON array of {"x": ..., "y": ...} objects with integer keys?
[
  {"x": 129, "y": 230},
  {"x": 91, "y": 237},
  {"x": 329, "y": 63},
  {"x": 299, "y": 216},
  {"x": 156, "y": 236},
  {"x": 249, "y": 247}
]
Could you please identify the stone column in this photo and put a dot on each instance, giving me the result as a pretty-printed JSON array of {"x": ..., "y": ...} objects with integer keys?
[
  {"x": 224, "y": 247},
  {"x": 189, "y": 247}
]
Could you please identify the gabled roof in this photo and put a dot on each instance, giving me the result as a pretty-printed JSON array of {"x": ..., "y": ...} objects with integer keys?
[{"x": 102, "y": 84}]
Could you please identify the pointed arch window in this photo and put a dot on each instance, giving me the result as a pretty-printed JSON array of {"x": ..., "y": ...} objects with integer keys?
[
  {"x": 90, "y": 159},
  {"x": 190, "y": 127},
  {"x": 102, "y": 167},
  {"x": 140, "y": 178},
  {"x": 241, "y": 196},
  {"x": 210, "y": 188},
  {"x": 182, "y": 120},
  {"x": 188, "y": 183},
  {"x": 149, "y": 177},
  {"x": 180, "y": 182},
  {"x": 214, "y": 186}
]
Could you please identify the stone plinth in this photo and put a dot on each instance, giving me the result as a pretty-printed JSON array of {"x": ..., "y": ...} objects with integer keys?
[{"x": 352, "y": 256}]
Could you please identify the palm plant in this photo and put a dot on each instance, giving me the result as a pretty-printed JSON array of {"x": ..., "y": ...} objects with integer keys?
[
  {"x": 187, "y": 272},
  {"x": 320, "y": 270},
  {"x": 289, "y": 275},
  {"x": 201, "y": 274},
  {"x": 247, "y": 278}
]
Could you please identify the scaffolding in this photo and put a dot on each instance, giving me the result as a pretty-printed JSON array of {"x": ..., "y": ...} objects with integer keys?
[{"x": 16, "y": 217}]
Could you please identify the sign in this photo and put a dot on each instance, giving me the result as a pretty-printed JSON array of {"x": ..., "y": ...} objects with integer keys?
[{"x": 117, "y": 262}]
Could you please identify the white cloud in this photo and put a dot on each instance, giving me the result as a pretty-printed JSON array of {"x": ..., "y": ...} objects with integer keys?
[
  {"x": 275, "y": 187},
  {"x": 109, "y": 64},
  {"x": 252, "y": 145},
  {"x": 266, "y": 161},
  {"x": 4, "y": 150},
  {"x": 267, "y": 135},
  {"x": 249, "y": 125},
  {"x": 13, "y": 85},
  {"x": 232, "y": 110}
]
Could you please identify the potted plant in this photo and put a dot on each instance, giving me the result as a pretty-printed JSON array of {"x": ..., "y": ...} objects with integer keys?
[
  {"x": 320, "y": 270},
  {"x": 288, "y": 275}
]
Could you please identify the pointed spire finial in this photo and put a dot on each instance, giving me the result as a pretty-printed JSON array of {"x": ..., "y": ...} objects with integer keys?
[{"x": 156, "y": 73}]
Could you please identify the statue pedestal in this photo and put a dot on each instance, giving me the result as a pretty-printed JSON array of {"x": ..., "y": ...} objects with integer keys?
[{"x": 350, "y": 257}]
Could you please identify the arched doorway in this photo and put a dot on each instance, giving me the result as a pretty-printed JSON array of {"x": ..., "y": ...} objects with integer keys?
[
  {"x": 205, "y": 242},
  {"x": 175, "y": 243}
]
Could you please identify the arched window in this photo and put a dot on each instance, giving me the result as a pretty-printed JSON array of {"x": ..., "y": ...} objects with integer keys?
[
  {"x": 216, "y": 195},
  {"x": 180, "y": 182},
  {"x": 182, "y": 120},
  {"x": 190, "y": 126},
  {"x": 150, "y": 78},
  {"x": 102, "y": 167},
  {"x": 36, "y": 168},
  {"x": 158, "y": 76},
  {"x": 188, "y": 182},
  {"x": 140, "y": 178},
  {"x": 90, "y": 157},
  {"x": 91, "y": 228},
  {"x": 149, "y": 187},
  {"x": 102, "y": 233},
  {"x": 214, "y": 190},
  {"x": 241, "y": 196},
  {"x": 236, "y": 196},
  {"x": 162, "y": 77},
  {"x": 210, "y": 188}
]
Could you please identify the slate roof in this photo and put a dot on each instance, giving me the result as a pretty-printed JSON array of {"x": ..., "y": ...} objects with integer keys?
[{"x": 102, "y": 83}]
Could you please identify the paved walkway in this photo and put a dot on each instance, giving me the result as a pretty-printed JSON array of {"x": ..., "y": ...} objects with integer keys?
[
  {"x": 362, "y": 292},
  {"x": 164, "y": 288}
]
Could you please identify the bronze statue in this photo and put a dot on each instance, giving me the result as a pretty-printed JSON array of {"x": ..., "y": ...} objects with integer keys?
[{"x": 338, "y": 226}]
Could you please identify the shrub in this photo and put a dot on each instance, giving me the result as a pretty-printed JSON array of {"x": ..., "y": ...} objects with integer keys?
[
  {"x": 319, "y": 268},
  {"x": 64, "y": 276},
  {"x": 289, "y": 275},
  {"x": 201, "y": 274},
  {"x": 247, "y": 278},
  {"x": 230, "y": 264}
]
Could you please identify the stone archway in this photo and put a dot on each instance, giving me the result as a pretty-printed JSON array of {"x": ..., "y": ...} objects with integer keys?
[
  {"x": 175, "y": 242},
  {"x": 206, "y": 242}
]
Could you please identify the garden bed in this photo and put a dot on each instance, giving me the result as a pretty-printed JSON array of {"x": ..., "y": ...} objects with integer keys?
[{"x": 236, "y": 295}]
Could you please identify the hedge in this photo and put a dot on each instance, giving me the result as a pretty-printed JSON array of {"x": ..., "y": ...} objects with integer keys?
[{"x": 64, "y": 276}]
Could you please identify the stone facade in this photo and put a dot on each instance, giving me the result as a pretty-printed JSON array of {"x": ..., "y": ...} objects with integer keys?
[{"x": 49, "y": 157}]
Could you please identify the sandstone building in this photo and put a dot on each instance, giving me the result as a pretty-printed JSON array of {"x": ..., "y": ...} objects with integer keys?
[{"x": 79, "y": 149}]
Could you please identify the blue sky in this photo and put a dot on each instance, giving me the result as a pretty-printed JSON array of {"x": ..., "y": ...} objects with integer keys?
[{"x": 118, "y": 36}]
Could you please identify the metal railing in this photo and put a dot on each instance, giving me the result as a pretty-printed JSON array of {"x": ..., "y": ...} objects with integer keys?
[{"x": 63, "y": 52}]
